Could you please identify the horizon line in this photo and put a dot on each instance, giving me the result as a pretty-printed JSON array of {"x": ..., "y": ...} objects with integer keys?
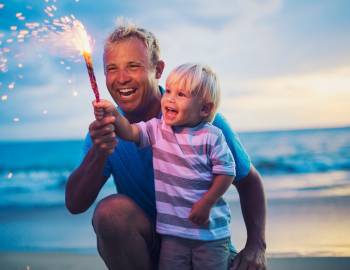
[{"x": 272, "y": 130}]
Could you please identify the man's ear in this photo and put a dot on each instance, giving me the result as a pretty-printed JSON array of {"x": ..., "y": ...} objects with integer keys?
[
  {"x": 206, "y": 109},
  {"x": 159, "y": 69}
]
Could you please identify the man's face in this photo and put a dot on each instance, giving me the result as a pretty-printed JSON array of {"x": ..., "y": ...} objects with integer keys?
[{"x": 130, "y": 78}]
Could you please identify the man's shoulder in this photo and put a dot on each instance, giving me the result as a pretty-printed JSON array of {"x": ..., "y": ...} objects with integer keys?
[{"x": 219, "y": 120}]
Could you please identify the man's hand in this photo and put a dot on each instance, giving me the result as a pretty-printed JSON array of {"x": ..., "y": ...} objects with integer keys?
[
  {"x": 252, "y": 258},
  {"x": 103, "y": 135},
  {"x": 253, "y": 204},
  {"x": 200, "y": 212}
]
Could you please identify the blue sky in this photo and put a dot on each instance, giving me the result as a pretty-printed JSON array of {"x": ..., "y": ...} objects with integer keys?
[{"x": 281, "y": 64}]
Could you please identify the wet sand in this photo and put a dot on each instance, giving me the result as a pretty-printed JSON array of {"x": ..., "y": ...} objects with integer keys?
[{"x": 68, "y": 261}]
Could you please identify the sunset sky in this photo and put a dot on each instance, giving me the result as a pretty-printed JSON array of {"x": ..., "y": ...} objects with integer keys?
[{"x": 281, "y": 64}]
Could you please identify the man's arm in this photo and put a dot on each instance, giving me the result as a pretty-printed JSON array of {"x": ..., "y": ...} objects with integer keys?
[
  {"x": 86, "y": 181},
  {"x": 253, "y": 204}
]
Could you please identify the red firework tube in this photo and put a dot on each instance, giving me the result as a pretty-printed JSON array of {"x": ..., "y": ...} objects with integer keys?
[{"x": 90, "y": 69}]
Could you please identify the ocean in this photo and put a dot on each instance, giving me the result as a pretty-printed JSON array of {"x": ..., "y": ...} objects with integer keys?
[{"x": 306, "y": 177}]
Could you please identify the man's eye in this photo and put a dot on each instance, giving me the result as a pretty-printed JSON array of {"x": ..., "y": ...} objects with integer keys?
[
  {"x": 133, "y": 66},
  {"x": 111, "y": 69}
]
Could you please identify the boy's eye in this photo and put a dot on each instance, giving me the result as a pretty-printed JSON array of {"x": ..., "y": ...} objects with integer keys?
[
  {"x": 167, "y": 91},
  {"x": 181, "y": 94}
]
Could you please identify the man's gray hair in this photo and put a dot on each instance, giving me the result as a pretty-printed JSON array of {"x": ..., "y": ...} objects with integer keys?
[{"x": 129, "y": 30}]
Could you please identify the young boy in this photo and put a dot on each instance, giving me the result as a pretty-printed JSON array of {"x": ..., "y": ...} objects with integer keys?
[{"x": 193, "y": 167}]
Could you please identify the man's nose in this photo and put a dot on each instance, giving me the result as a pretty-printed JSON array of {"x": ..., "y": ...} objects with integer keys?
[{"x": 123, "y": 77}]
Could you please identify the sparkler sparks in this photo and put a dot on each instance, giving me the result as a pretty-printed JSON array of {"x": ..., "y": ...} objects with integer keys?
[
  {"x": 65, "y": 32},
  {"x": 74, "y": 36}
]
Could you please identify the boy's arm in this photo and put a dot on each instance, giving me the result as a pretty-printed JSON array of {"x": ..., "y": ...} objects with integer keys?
[
  {"x": 201, "y": 209},
  {"x": 123, "y": 128}
]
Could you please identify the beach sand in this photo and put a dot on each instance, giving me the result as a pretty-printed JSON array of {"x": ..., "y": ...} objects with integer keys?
[
  {"x": 67, "y": 261},
  {"x": 50, "y": 238}
]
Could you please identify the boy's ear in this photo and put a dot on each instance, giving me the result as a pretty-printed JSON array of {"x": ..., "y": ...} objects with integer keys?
[{"x": 206, "y": 109}]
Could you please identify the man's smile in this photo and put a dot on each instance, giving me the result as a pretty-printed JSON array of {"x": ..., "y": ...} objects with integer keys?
[{"x": 125, "y": 92}]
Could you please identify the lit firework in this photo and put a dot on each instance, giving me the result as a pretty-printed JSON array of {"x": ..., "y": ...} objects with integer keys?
[{"x": 73, "y": 32}]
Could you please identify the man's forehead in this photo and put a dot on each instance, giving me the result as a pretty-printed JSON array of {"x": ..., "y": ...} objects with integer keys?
[{"x": 127, "y": 50}]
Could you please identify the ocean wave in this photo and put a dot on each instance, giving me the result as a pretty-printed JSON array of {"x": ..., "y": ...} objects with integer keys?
[
  {"x": 38, "y": 188},
  {"x": 300, "y": 164},
  {"x": 307, "y": 185}
]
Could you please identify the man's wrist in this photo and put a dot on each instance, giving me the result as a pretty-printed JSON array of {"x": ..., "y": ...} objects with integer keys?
[
  {"x": 257, "y": 243},
  {"x": 100, "y": 153}
]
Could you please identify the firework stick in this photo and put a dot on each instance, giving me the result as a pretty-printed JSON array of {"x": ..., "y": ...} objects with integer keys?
[{"x": 88, "y": 61}]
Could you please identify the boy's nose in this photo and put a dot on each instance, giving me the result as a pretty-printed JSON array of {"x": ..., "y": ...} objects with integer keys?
[{"x": 171, "y": 98}]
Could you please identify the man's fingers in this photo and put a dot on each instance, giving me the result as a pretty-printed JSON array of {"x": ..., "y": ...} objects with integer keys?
[
  {"x": 108, "y": 146},
  {"x": 101, "y": 131},
  {"x": 236, "y": 262},
  {"x": 243, "y": 265},
  {"x": 103, "y": 122},
  {"x": 103, "y": 136}
]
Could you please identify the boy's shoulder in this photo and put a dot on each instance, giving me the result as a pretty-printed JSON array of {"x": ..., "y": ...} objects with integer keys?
[{"x": 210, "y": 129}]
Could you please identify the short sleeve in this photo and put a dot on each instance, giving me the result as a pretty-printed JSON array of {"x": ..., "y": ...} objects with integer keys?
[
  {"x": 147, "y": 132},
  {"x": 221, "y": 156},
  {"x": 240, "y": 155},
  {"x": 144, "y": 139}
]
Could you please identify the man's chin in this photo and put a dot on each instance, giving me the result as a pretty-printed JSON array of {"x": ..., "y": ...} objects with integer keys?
[{"x": 126, "y": 104}]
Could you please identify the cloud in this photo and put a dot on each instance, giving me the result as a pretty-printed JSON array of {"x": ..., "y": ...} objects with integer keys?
[
  {"x": 276, "y": 61},
  {"x": 314, "y": 99}
]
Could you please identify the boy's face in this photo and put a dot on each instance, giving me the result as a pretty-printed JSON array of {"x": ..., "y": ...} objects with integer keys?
[{"x": 180, "y": 108}]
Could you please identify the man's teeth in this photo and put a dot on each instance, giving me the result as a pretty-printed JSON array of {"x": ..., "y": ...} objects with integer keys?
[{"x": 126, "y": 91}]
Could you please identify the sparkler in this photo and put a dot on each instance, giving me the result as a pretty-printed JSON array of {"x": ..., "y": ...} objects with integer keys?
[
  {"x": 81, "y": 41},
  {"x": 89, "y": 66}
]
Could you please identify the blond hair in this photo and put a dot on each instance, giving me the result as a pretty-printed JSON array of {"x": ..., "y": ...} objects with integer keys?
[
  {"x": 128, "y": 30},
  {"x": 200, "y": 81}
]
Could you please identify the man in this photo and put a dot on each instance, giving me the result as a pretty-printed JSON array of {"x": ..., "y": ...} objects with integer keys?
[{"x": 124, "y": 222}]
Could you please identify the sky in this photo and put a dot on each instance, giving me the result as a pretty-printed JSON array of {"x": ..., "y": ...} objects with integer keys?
[{"x": 281, "y": 64}]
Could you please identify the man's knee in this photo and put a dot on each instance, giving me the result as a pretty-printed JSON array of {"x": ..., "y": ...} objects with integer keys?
[{"x": 113, "y": 215}]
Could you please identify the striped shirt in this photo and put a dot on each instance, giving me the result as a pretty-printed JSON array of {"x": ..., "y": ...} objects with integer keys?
[{"x": 184, "y": 161}]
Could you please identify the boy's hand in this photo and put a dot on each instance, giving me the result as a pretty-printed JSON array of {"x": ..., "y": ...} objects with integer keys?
[
  {"x": 104, "y": 108},
  {"x": 200, "y": 212}
]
